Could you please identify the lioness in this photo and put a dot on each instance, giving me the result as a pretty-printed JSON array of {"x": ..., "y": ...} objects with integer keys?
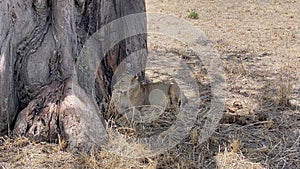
[{"x": 158, "y": 94}]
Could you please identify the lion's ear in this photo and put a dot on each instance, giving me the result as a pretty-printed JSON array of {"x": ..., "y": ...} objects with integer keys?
[
  {"x": 135, "y": 83},
  {"x": 134, "y": 79}
]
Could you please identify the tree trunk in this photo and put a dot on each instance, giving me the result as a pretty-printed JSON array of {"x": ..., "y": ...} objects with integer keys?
[{"x": 46, "y": 88}]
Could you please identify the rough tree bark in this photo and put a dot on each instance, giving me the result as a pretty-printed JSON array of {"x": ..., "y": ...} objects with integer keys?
[{"x": 42, "y": 94}]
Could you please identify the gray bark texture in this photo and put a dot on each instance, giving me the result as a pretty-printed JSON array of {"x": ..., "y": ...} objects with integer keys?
[{"x": 44, "y": 93}]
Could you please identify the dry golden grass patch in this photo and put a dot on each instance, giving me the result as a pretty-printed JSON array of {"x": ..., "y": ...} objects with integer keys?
[
  {"x": 22, "y": 153},
  {"x": 231, "y": 160}
]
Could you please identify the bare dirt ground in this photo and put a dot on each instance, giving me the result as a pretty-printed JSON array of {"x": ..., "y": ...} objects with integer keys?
[{"x": 259, "y": 45}]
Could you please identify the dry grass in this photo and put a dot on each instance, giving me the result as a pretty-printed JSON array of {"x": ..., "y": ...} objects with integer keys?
[
  {"x": 230, "y": 160},
  {"x": 22, "y": 153}
]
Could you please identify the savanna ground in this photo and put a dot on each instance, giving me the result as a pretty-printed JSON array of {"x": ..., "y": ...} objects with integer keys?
[{"x": 258, "y": 43}]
